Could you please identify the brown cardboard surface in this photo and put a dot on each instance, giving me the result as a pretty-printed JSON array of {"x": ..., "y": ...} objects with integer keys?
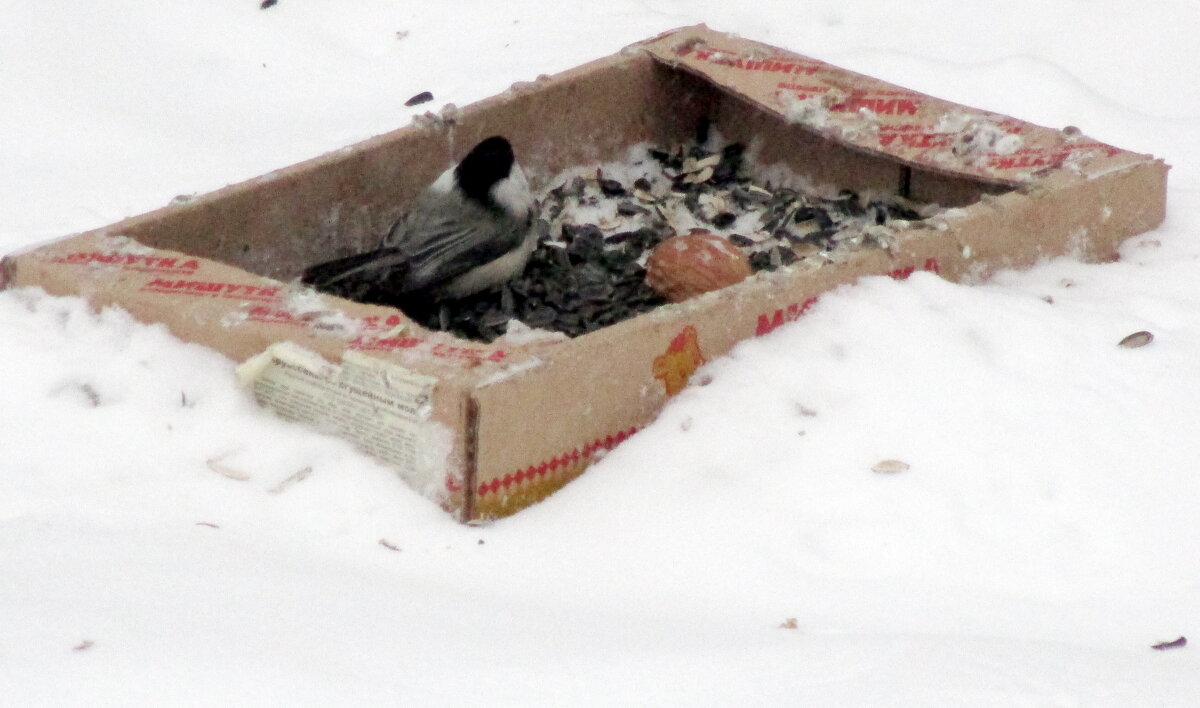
[
  {"x": 528, "y": 417},
  {"x": 603, "y": 386},
  {"x": 874, "y": 116}
]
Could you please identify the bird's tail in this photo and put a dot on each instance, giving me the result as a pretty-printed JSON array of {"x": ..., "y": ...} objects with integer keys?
[{"x": 375, "y": 265}]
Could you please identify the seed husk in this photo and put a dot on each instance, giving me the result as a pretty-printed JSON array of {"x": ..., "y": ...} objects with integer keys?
[
  {"x": 1174, "y": 644},
  {"x": 702, "y": 175},
  {"x": 890, "y": 467},
  {"x": 1136, "y": 340}
]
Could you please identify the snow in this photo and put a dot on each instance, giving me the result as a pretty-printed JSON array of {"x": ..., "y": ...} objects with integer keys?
[{"x": 740, "y": 550}]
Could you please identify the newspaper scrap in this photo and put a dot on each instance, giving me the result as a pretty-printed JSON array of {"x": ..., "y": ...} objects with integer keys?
[{"x": 379, "y": 406}]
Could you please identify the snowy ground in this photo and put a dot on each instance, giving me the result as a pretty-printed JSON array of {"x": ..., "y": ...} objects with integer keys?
[{"x": 1045, "y": 536}]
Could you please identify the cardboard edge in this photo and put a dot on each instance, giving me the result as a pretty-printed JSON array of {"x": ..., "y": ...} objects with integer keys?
[
  {"x": 665, "y": 52},
  {"x": 470, "y": 456}
]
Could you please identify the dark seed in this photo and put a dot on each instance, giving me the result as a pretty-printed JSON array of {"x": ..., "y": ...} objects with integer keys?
[
  {"x": 804, "y": 213},
  {"x": 574, "y": 188},
  {"x": 631, "y": 209},
  {"x": 616, "y": 260},
  {"x": 494, "y": 319},
  {"x": 776, "y": 222},
  {"x": 611, "y": 188},
  {"x": 746, "y": 197},
  {"x": 847, "y": 202},
  {"x": 819, "y": 236},
  {"x": 733, "y": 151},
  {"x": 740, "y": 240},
  {"x": 785, "y": 196},
  {"x": 596, "y": 292},
  {"x": 897, "y": 211},
  {"x": 724, "y": 220},
  {"x": 786, "y": 255},
  {"x": 730, "y": 165},
  {"x": 592, "y": 272},
  {"x": 761, "y": 260},
  {"x": 423, "y": 97},
  {"x": 1175, "y": 644},
  {"x": 540, "y": 317}
]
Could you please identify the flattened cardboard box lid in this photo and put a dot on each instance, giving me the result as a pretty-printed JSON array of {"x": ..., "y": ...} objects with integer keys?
[{"x": 876, "y": 117}]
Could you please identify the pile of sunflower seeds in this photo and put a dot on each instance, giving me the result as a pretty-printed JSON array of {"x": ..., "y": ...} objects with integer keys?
[{"x": 596, "y": 233}]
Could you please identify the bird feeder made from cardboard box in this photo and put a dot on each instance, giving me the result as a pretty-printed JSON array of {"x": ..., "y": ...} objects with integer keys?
[{"x": 487, "y": 429}]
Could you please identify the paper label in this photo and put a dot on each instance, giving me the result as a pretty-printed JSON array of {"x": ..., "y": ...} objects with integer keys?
[{"x": 378, "y": 406}]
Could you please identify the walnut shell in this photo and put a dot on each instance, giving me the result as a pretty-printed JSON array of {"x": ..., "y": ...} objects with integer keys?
[{"x": 683, "y": 267}]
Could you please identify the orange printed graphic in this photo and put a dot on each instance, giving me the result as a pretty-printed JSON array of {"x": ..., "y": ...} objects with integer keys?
[
  {"x": 680, "y": 361},
  {"x": 501, "y": 496}
]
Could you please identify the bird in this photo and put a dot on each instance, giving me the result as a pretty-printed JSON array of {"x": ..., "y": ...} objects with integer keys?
[{"x": 469, "y": 231}]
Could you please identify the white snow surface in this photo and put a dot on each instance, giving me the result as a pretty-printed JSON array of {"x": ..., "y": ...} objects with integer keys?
[{"x": 739, "y": 551}]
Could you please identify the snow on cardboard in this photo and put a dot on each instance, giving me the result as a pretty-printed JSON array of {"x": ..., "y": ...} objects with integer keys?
[{"x": 489, "y": 428}]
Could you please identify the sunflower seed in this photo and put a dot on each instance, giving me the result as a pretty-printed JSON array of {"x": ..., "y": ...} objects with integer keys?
[
  {"x": 703, "y": 175},
  {"x": 890, "y": 466},
  {"x": 1137, "y": 339}
]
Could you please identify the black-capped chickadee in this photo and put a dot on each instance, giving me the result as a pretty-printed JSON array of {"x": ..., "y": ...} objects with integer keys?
[{"x": 469, "y": 231}]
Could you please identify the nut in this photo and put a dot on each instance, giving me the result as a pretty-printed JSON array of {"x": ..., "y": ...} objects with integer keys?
[{"x": 683, "y": 267}]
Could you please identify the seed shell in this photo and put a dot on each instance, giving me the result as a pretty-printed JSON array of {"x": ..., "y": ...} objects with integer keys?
[
  {"x": 890, "y": 467},
  {"x": 1136, "y": 340}
]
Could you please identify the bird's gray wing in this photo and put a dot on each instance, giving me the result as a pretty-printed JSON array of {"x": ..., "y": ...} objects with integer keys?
[
  {"x": 446, "y": 238},
  {"x": 375, "y": 265}
]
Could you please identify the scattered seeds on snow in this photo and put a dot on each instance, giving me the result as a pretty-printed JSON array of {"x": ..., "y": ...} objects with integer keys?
[{"x": 1137, "y": 339}]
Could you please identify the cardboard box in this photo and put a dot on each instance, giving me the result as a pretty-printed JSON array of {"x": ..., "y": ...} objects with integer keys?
[{"x": 487, "y": 429}]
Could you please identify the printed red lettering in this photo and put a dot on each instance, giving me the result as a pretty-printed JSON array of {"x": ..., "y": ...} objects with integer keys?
[
  {"x": 469, "y": 353},
  {"x": 931, "y": 265},
  {"x": 131, "y": 261},
  {"x": 782, "y": 65},
  {"x": 204, "y": 287},
  {"x": 385, "y": 343},
  {"x": 790, "y": 313},
  {"x": 881, "y": 106}
]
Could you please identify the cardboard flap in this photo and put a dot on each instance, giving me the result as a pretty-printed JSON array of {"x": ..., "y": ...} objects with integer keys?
[{"x": 877, "y": 117}]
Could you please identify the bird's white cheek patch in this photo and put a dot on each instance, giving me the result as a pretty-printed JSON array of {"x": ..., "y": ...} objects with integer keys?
[
  {"x": 513, "y": 194},
  {"x": 444, "y": 183}
]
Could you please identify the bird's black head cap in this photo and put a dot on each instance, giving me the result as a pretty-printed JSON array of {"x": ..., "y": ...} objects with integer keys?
[{"x": 488, "y": 162}]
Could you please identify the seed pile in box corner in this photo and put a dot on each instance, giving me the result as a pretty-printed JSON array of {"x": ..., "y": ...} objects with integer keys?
[{"x": 596, "y": 233}]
